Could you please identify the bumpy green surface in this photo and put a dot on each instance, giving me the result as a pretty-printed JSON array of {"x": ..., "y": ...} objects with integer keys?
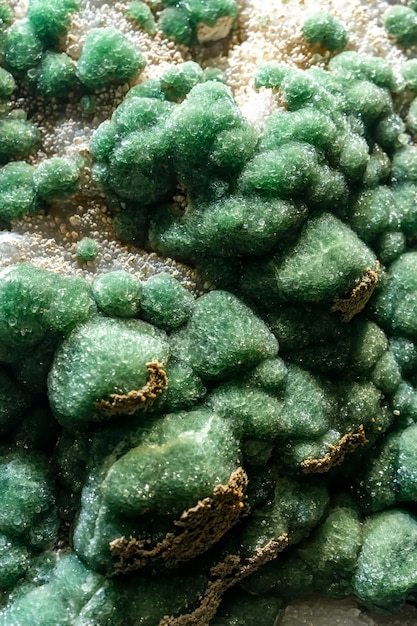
[
  {"x": 389, "y": 542},
  {"x": 18, "y": 138},
  {"x": 118, "y": 294},
  {"x": 125, "y": 403},
  {"x": 141, "y": 13},
  {"x": 165, "y": 302},
  {"x": 401, "y": 24},
  {"x": 56, "y": 178},
  {"x": 51, "y": 21},
  {"x": 22, "y": 48},
  {"x": 7, "y": 84},
  {"x": 56, "y": 75},
  {"x": 99, "y": 358},
  {"x": 322, "y": 28},
  {"x": 123, "y": 61},
  {"x": 197, "y": 21},
  {"x": 87, "y": 249},
  {"x": 18, "y": 193}
]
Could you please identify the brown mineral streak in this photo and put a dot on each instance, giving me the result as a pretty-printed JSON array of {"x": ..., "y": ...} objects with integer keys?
[
  {"x": 359, "y": 295},
  {"x": 336, "y": 455},
  {"x": 224, "y": 575},
  {"x": 130, "y": 402},
  {"x": 202, "y": 526}
]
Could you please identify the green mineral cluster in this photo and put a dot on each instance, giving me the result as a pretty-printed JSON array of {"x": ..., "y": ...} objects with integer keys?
[
  {"x": 401, "y": 24},
  {"x": 160, "y": 448},
  {"x": 308, "y": 231},
  {"x": 323, "y": 29},
  {"x": 196, "y": 22}
]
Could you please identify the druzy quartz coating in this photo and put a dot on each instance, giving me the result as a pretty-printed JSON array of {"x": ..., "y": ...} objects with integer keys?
[{"x": 203, "y": 444}]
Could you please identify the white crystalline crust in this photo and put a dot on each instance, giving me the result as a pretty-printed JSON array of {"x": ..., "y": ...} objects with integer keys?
[{"x": 267, "y": 31}]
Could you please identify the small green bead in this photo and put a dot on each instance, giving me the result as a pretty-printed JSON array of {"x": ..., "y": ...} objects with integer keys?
[
  {"x": 176, "y": 25},
  {"x": 270, "y": 75},
  {"x": 389, "y": 246},
  {"x": 405, "y": 353},
  {"x": 56, "y": 75},
  {"x": 88, "y": 104},
  {"x": 306, "y": 125},
  {"x": 404, "y": 165},
  {"x": 368, "y": 101},
  {"x": 285, "y": 171},
  {"x": 165, "y": 302},
  {"x": 409, "y": 73},
  {"x": 185, "y": 388},
  {"x": 403, "y": 211},
  {"x": 301, "y": 89},
  {"x": 394, "y": 305},
  {"x": 232, "y": 148},
  {"x": 386, "y": 375},
  {"x": 328, "y": 189},
  {"x": 141, "y": 13},
  {"x": 213, "y": 73},
  {"x": 7, "y": 84},
  {"x": 56, "y": 177},
  {"x": 22, "y": 48},
  {"x": 332, "y": 550},
  {"x": 377, "y": 169},
  {"x": 225, "y": 337},
  {"x": 17, "y": 190},
  {"x": 18, "y": 138},
  {"x": 87, "y": 250},
  {"x": 108, "y": 58},
  {"x": 412, "y": 117},
  {"x": 178, "y": 80},
  {"x": 350, "y": 66},
  {"x": 118, "y": 294},
  {"x": 139, "y": 114},
  {"x": 150, "y": 88},
  {"x": 323, "y": 29},
  {"x": 354, "y": 156},
  {"x": 35, "y": 303},
  {"x": 6, "y": 14},
  {"x": 386, "y": 568},
  {"x": 401, "y": 24},
  {"x": 369, "y": 343},
  {"x": 135, "y": 161},
  {"x": 14, "y": 561},
  {"x": 244, "y": 224},
  {"x": 405, "y": 402},
  {"x": 202, "y": 12},
  {"x": 49, "y": 20},
  {"x": 388, "y": 132},
  {"x": 27, "y": 508},
  {"x": 103, "y": 140},
  {"x": 370, "y": 215}
]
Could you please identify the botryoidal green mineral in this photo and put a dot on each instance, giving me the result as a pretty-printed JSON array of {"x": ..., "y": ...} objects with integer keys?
[
  {"x": 197, "y": 22},
  {"x": 123, "y": 60},
  {"x": 164, "y": 434},
  {"x": 87, "y": 250},
  {"x": 323, "y": 29},
  {"x": 140, "y": 13}
]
